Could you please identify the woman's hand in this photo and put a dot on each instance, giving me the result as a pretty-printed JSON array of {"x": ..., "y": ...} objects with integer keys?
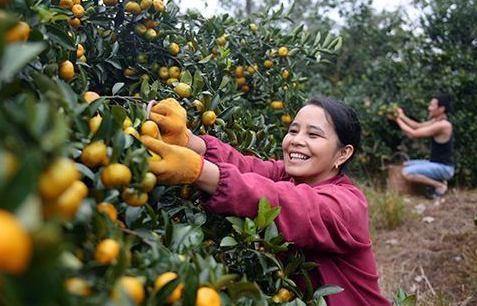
[
  {"x": 171, "y": 118},
  {"x": 178, "y": 165}
]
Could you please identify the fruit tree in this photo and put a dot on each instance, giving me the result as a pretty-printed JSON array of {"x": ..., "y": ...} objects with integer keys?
[{"x": 82, "y": 219}]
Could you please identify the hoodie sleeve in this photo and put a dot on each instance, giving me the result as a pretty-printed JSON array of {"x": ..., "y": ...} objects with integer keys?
[
  {"x": 331, "y": 217},
  {"x": 218, "y": 151}
]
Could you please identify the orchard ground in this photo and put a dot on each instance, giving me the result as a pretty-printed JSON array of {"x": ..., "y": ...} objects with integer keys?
[{"x": 434, "y": 252}]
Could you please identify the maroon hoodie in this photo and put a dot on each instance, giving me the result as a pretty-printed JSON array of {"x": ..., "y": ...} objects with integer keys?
[{"x": 328, "y": 220}]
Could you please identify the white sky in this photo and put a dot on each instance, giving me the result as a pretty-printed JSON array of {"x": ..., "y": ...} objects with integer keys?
[{"x": 212, "y": 8}]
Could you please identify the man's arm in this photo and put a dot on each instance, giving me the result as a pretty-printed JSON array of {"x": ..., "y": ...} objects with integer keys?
[
  {"x": 411, "y": 123},
  {"x": 429, "y": 130}
]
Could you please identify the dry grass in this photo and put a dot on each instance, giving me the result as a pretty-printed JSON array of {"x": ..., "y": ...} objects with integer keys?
[{"x": 437, "y": 259}]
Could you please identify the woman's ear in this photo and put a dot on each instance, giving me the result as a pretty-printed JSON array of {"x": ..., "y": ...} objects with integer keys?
[{"x": 344, "y": 154}]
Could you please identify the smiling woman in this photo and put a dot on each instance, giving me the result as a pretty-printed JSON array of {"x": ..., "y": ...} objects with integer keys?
[{"x": 309, "y": 185}]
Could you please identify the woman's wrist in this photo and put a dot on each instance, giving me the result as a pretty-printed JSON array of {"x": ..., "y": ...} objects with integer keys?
[
  {"x": 196, "y": 143},
  {"x": 209, "y": 177}
]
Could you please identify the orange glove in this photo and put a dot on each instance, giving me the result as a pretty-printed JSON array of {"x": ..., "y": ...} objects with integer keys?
[
  {"x": 171, "y": 118},
  {"x": 178, "y": 165}
]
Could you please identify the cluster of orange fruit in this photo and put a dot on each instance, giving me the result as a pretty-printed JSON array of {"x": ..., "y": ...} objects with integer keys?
[{"x": 134, "y": 288}]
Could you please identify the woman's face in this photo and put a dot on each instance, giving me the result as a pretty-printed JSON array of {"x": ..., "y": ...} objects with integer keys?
[{"x": 310, "y": 148}]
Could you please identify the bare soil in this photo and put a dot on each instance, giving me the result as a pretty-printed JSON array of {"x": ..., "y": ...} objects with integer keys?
[{"x": 434, "y": 253}]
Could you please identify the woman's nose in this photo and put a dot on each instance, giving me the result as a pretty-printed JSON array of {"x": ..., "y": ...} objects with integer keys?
[{"x": 298, "y": 139}]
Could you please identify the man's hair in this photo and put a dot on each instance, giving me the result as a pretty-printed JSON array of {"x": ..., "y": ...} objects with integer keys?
[{"x": 445, "y": 100}]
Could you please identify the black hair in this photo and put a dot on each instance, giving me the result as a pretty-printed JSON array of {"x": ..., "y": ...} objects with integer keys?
[
  {"x": 445, "y": 100},
  {"x": 344, "y": 120}
]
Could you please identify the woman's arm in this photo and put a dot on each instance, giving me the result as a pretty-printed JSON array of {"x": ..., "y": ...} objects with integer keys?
[
  {"x": 328, "y": 218},
  {"x": 214, "y": 150}
]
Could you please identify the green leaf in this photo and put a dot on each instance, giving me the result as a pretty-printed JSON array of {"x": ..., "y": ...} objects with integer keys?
[
  {"x": 326, "y": 290},
  {"x": 237, "y": 224},
  {"x": 198, "y": 83},
  {"x": 266, "y": 214},
  {"x": 206, "y": 59},
  {"x": 224, "y": 82},
  {"x": 185, "y": 236},
  {"x": 228, "y": 242},
  {"x": 16, "y": 56},
  {"x": 59, "y": 36},
  {"x": 249, "y": 227},
  {"x": 186, "y": 77}
]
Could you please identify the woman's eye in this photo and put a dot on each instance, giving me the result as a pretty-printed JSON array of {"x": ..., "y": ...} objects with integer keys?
[
  {"x": 314, "y": 135},
  {"x": 292, "y": 131}
]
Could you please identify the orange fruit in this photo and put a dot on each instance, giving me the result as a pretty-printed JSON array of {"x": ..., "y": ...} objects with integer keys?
[
  {"x": 78, "y": 10},
  {"x": 132, "y": 7},
  {"x": 108, "y": 209},
  {"x": 132, "y": 131},
  {"x": 94, "y": 154},
  {"x": 116, "y": 175},
  {"x": 241, "y": 81},
  {"x": 66, "y": 4},
  {"x": 174, "y": 48},
  {"x": 245, "y": 88},
  {"x": 148, "y": 182},
  {"x": 252, "y": 69},
  {"x": 145, "y": 4},
  {"x": 77, "y": 286},
  {"x": 207, "y": 297},
  {"x": 150, "y": 128},
  {"x": 132, "y": 287},
  {"x": 15, "y": 244},
  {"x": 90, "y": 96},
  {"x": 127, "y": 123},
  {"x": 74, "y": 22},
  {"x": 140, "y": 29},
  {"x": 158, "y": 6},
  {"x": 208, "y": 118},
  {"x": 79, "y": 50},
  {"x": 57, "y": 178},
  {"x": 70, "y": 200},
  {"x": 174, "y": 72},
  {"x": 129, "y": 72},
  {"x": 19, "y": 32},
  {"x": 141, "y": 58},
  {"x": 285, "y": 295},
  {"x": 277, "y": 105},
  {"x": 199, "y": 106},
  {"x": 134, "y": 198},
  {"x": 171, "y": 81},
  {"x": 183, "y": 90},
  {"x": 221, "y": 41},
  {"x": 185, "y": 192},
  {"x": 9, "y": 163},
  {"x": 165, "y": 278},
  {"x": 287, "y": 119},
  {"x": 268, "y": 64},
  {"x": 151, "y": 34},
  {"x": 164, "y": 73},
  {"x": 94, "y": 123},
  {"x": 67, "y": 70},
  {"x": 285, "y": 74},
  {"x": 110, "y": 2},
  {"x": 150, "y": 23},
  {"x": 239, "y": 71},
  {"x": 283, "y": 52},
  {"x": 253, "y": 28},
  {"x": 107, "y": 251}
]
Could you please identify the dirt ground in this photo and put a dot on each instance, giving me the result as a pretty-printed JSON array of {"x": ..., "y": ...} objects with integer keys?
[{"x": 434, "y": 253}]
